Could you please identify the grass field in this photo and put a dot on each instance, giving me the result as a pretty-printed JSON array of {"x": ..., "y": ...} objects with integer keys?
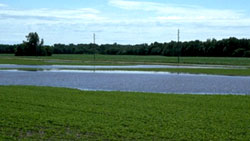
[
  {"x": 118, "y": 60},
  {"x": 136, "y": 60},
  {"x": 66, "y": 114}
]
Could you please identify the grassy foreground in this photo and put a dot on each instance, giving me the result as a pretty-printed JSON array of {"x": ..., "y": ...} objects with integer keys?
[
  {"x": 66, "y": 59},
  {"x": 66, "y": 114}
]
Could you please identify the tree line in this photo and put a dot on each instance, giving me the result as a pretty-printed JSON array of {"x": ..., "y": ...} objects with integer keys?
[
  {"x": 231, "y": 47},
  {"x": 32, "y": 47}
]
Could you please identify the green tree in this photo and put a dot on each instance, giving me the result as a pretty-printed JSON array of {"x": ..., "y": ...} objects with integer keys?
[{"x": 33, "y": 47}]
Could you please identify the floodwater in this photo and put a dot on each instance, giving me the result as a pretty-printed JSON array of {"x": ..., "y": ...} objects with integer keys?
[
  {"x": 117, "y": 67},
  {"x": 160, "y": 82}
]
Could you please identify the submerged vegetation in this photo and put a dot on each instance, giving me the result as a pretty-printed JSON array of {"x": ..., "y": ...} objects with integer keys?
[
  {"x": 67, "y": 114},
  {"x": 229, "y": 64},
  {"x": 210, "y": 71}
]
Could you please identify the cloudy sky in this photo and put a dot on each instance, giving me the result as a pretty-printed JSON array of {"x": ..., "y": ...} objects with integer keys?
[{"x": 123, "y": 21}]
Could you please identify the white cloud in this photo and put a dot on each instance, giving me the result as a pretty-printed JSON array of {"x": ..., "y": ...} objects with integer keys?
[
  {"x": 3, "y": 5},
  {"x": 52, "y": 15},
  {"x": 184, "y": 13},
  {"x": 54, "y": 25},
  {"x": 138, "y": 22}
]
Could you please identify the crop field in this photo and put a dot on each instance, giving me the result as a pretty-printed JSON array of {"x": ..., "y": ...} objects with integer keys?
[
  {"x": 137, "y": 60},
  {"x": 45, "y": 113},
  {"x": 67, "y": 59}
]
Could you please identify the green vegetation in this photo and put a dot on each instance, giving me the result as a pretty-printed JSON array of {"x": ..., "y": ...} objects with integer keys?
[
  {"x": 118, "y": 60},
  {"x": 33, "y": 47},
  {"x": 66, "y": 114},
  {"x": 136, "y": 60},
  {"x": 231, "y": 47}
]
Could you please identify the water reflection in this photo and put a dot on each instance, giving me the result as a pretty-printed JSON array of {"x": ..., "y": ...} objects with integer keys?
[{"x": 118, "y": 67}]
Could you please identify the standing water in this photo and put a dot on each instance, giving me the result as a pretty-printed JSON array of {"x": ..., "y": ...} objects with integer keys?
[{"x": 130, "y": 81}]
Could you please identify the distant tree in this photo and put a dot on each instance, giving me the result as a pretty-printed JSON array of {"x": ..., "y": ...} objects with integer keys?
[
  {"x": 20, "y": 50},
  {"x": 231, "y": 47},
  {"x": 239, "y": 52},
  {"x": 33, "y": 47},
  {"x": 247, "y": 53}
]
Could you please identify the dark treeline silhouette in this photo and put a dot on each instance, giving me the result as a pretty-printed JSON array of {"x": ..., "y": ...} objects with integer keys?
[
  {"x": 33, "y": 47},
  {"x": 231, "y": 47},
  {"x": 7, "y": 48}
]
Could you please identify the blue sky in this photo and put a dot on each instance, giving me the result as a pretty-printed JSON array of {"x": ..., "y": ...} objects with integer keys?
[{"x": 123, "y": 21}]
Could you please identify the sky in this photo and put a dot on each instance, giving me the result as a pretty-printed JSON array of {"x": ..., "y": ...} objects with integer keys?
[{"x": 123, "y": 21}]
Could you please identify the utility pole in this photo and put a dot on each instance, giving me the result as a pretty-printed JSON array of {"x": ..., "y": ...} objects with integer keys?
[
  {"x": 178, "y": 45},
  {"x": 94, "y": 46}
]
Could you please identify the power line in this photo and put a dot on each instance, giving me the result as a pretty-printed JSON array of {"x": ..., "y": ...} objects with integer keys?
[
  {"x": 178, "y": 36},
  {"x": 94, "y": 48},
  {"x": 178, "y": 45}
]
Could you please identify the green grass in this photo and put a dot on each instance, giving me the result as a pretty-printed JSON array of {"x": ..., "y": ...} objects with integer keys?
[
  {"x": 118, "y": 60},
  {"x": 44, "y": 113},
  {"x": 135, "y": 60}
]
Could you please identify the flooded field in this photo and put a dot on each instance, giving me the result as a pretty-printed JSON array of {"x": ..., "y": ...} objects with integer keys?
[
  {"x": 120, "y": 67},
  {"x": 158, "y": 82}
]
